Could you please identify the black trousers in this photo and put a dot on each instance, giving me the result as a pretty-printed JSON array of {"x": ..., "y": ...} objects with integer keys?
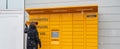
[
  {"x": 36, "y": 47},
  {"x": 32, "y": 46}
]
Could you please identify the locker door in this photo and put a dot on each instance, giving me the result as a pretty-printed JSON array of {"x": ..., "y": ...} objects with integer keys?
[
  {"x": 91, "y": 30},
  {"x": 55, "y": 31},
  {"x": 78, "y": 31},
  {"x": 66, "y": 31},
  {"x": 44, "y": 31}
]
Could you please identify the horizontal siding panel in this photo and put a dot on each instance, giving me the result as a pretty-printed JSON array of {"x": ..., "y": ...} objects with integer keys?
[
  {"x": 109, "y": 25},
  {"x": 109, "y": 40},
  {"x": 109, "y": 10},
  {"x": 109, "y": 17},
  {"x": 54, "y": 1},
  {"x": 109, "y": 32},
  {"x": 60, "y": 4},
  {"x": 109, "y": 46},
  {"x": 109, "y": 2},
  {"x": 46, "y": 1}
]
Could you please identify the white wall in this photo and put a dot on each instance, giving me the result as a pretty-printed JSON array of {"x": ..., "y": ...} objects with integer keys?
[
  {"x": 57, "y": 3},
  {"x": 11, "y": 4},
  {"x": 2, "y": 4},
  {"x": 109, "y": 17},
  {"x": 11, "y": 29},
  {"x": 11, "y": 24},
  {"x": 109, "y": 24}
]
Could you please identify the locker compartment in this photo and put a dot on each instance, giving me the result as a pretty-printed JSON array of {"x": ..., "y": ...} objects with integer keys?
[
  {"x": 92, "y": 47},
  {"x": 66, "y": 33},
  {"x": 78, "y": 26},
  {"x": 92, "y": 22},
  {"x": 77, "y": 37},
  {"x": 78, "y": 44},
  {"x": 52, "y": 45},
  {"x": 55, "y": 47},
  {"x": 66, "y": 47},
  {"x": 66, "y": 37},
  {"x": 41, "y": 30},
  {"x": 55, "y": 17},
  {"x": 46, "y": 43},
  {"x": 78, "y": 40},
  {"x": 91, "y": 40},
  {"x": 66, "y": 44},
  {"x": 66, "y": 26},
  {"x": 43, "y": 36},
  {"x": 75, "y": 32},
  {"x": 42, "y": 19},
  {"x": 78, "y": 16},
  {"x": 67, "y": 40},
  {"x": 44, "y": 33},
  {"x": 43, "y": 23},
  {"x": 78, "y": 47},
  {"x": 34, "y": 20},
  {"x": 78, "y": 29},
  {"x": 54, "y": 23},
  {"x": 45, "y": 47},
  {"x": 91, "y": 26},
  {"x": 34, "y": 17},
  {"x": 78, "y": 22},
  {"x": 93, "y": 37},
  {"x": 92, "y": 33},
  {"x": 66, "y": 23},
  {"x": 92, "y": 29},
  {"x": 42, "y": 15},
  {"x": 45, "y": 40},
  {"x": 66, "y": 17},
  {"x": 46, "y": 26},
  {"x": 92, "y": 44},
  {"x": 67, "y": 29},
  {"x": 55, "y": 26}
]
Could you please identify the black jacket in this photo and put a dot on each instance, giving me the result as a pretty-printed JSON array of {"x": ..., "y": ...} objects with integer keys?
[
  {"x": 33, "y": 38},
  {"x": 26, "y": 28}
]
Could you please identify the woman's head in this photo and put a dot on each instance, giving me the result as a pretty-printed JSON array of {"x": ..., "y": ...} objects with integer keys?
[{"x": 33, "y": 25}]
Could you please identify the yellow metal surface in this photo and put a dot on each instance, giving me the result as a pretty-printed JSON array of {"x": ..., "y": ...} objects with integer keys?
[{"x": 76, "y": 30}]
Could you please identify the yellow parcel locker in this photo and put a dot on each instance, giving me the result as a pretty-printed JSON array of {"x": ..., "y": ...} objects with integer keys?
[{"x": 67, "y": 27}]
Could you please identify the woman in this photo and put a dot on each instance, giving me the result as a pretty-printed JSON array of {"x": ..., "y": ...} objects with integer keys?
[{"x": 33, "y": 39}]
